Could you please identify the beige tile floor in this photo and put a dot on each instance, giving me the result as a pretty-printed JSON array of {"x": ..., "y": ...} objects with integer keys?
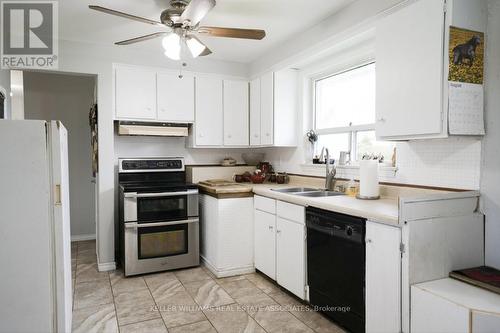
[{"x": 190, "y": 300}]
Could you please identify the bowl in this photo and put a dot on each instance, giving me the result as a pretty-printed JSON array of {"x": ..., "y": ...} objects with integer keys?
[{"x": 252, "y": 158}]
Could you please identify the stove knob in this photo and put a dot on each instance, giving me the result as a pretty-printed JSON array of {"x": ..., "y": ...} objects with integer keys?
[{"x": 348, "y": 231}]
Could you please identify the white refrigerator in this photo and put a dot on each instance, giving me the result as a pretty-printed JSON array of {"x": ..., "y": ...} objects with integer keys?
[{"x": 35, "y": 245}]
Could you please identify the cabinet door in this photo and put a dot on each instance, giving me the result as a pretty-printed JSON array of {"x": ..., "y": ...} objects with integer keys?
[
  {"x": 265, "y": 243},
  {"x": 383, "y": 278},
  {"x": 285, "y": 108},
  {"x": 267, "y": 109},
  {"x": 135, "y": 93},
  {"x": 290, "y": 256},
  {"x": 175, "y": 97},
  {"x": 255, "y": 112},
  {"x": 409, "y": 56},
  {"x": 235, "y": 113},
  {"x": 209, "y": 116}
]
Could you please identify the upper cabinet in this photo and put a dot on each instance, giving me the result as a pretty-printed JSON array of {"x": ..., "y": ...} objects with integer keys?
[
  {"x": 409, "y": 57},
  {"x": 412, "y": 59},
  {"x": 236, "y": 113},
  {"x": 175, "y": 96},
  {"x": 274, "y": 109},
  {"x": 208, "y": 128},
  {"x": 223, "y": 111},
  {"x": 135, "y": 93},
  {"x": 255, "y": 135},
  {"x": 267, "y": 109}
]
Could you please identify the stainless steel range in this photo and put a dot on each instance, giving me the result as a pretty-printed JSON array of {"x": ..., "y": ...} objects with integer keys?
[{"x": 158, "y": 225}]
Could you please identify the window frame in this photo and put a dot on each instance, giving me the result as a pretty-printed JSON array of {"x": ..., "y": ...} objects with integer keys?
[{"x": 352, "y": 130}]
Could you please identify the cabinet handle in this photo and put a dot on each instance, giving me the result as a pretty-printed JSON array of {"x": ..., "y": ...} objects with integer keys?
[
  {"x": 381, "y": 120},
  {"x": 255, "y": 135},
  {"x": 278, "y": 231},
  {"x": 368, "y": 240},
  {"x": 229, "y": 136},
  {"x": 270, "y": 227}
]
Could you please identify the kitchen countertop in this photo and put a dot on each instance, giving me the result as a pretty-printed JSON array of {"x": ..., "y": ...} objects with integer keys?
[{"x": 384, "y": 210}]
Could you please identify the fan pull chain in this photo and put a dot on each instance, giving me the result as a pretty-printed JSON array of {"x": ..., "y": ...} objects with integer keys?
[{"x": 180, "y": 70}]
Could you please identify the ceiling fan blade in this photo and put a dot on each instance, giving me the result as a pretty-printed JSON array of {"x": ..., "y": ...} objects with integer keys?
[
  {"x": 196, "y": 11},
  {"x": 233, "y": 32},
  {"x": 125, "y": 15},
  {"x": 141, "y": 39}
]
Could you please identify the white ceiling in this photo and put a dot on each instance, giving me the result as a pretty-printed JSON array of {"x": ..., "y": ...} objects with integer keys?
[{"x": 281, "y": 19}]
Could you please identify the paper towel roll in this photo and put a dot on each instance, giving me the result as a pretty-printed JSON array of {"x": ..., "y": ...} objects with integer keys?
[{"x": 368, "y": 179}]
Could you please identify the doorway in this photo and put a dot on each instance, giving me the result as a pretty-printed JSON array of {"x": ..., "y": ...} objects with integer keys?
[{"x": 69, "y": 98}]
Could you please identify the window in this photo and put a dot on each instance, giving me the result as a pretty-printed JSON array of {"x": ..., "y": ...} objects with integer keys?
[{"x": 344, "y": 113}]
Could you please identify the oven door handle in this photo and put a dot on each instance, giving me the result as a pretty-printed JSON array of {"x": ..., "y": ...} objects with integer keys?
[
  {"x": 135, "y": 225},
  {"x": 162, "y": 194}
]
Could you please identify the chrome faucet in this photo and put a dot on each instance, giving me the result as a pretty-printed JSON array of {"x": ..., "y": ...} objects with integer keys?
[{"x": 330, "y": 174}]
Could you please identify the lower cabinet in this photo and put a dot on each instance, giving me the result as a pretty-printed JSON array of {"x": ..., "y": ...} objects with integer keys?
[
  {"x": 265, "y": 243},
  {"x": 290, "y": 256},
  {"x": 383, "y": 278},
  {"x": 279, "y": 250},
  {"x": 226, "y": 235}
]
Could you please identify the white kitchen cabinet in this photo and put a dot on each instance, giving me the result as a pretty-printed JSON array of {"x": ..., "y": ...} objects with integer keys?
[
  {"x": 209, "y": 112},
  {"x": 280, "y": 243},
  {"x": 290, "y": 258},
  {"x": 265, "y": 242},
  {"x": 236, "y": 108},
  {"x": 227, "y": 235},
  {"x": 135, "y": 93},
  {"x": 409, "y": 73},
  {"x": 267, "y": 109},
  {"x": 274, "y": 109},
  {"x": 412, "y": 66},
  {"x": 175, "y": 96},
  {"x": 255, "y": 135},
  {"x": 383, "y": 278}
]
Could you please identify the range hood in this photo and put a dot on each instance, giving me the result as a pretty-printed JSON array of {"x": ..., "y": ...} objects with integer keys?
[{"x": 152, "y": 129}]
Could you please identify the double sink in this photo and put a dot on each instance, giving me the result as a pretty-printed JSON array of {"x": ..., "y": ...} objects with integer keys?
[{"x": 308, "y": 192}]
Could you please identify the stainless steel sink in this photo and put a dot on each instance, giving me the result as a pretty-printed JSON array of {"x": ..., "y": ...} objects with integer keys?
[
  {"x": 293, "y": 190},
  {"x": 318, "y": 194}
]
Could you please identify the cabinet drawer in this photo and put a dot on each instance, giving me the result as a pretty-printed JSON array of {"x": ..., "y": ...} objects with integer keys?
[
  {"x": 265, "y": 204},
  {"x": 290, "y": 212}
]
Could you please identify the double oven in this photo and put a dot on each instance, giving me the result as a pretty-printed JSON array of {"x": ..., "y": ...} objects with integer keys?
[{"x": 159, "y": 223}]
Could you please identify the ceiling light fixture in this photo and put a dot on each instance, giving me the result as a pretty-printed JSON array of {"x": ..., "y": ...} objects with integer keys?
[
  {"x": 195, "y": 46},
  {"x": 172, "y": 46}
]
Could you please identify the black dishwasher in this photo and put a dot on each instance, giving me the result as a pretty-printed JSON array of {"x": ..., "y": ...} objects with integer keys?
[{"x": 336, "y": 266}]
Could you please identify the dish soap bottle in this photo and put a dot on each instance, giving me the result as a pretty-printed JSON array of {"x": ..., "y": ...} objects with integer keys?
[{"x": 351, "y": 188}]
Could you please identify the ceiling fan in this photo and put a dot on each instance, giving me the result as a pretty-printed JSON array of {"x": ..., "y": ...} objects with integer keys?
[{"x": 183, "y": 20}]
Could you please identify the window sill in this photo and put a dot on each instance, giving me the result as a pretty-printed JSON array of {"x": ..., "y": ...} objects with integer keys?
[{"x": 388, "y": 171}]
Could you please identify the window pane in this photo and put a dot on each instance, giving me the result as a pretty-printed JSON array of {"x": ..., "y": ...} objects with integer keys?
[
  {"x": 366, "y": 143},
  {"x": 346, "y": 98},
  {"x": 335, "y": 144}
]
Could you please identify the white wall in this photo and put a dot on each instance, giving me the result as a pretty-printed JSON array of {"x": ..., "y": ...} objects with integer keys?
[
  {"x": 490, "y": 182},
  {"x": 98, "y": 59},
  {"x": 68, "y": 98}
]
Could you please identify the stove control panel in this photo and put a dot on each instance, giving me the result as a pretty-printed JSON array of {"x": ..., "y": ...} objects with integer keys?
[{"x": 151, "y": 165}]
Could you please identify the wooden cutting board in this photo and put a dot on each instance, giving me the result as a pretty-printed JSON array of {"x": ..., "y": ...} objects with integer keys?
[{"x": 217, "y": 182}]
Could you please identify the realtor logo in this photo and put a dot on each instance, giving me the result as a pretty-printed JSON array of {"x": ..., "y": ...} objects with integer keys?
[{"x": 29, "y": 34}]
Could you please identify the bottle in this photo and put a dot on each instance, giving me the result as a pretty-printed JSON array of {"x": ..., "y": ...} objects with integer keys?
[{"x": 351, "y": 188}]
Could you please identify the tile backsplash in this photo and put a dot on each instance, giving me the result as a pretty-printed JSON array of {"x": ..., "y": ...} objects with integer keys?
[{"x": 453, "y": 163}]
